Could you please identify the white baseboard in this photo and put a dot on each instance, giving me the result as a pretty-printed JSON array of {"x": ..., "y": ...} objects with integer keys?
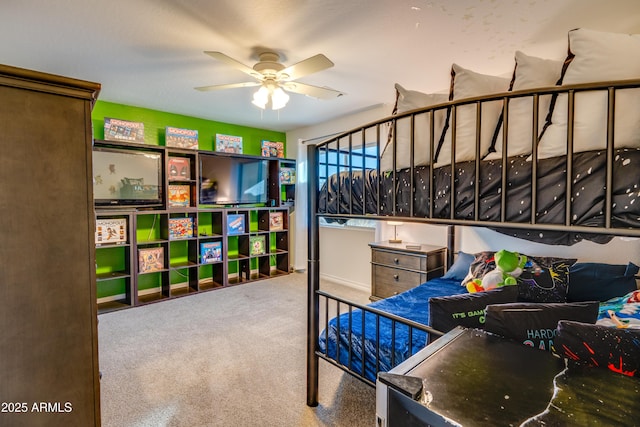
[
  {"x": 349, "y": 283},
  {"x": 111, "y": 298}
]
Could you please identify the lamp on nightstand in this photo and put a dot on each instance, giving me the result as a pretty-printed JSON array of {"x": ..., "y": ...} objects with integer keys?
[{"x": 395, "y": 231}]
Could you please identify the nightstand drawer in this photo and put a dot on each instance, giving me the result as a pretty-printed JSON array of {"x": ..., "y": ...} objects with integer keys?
[
  {"x": 398, "y": 267},
  {"x": 390, "y": 281},
  {"x": 395, "y": 259}
]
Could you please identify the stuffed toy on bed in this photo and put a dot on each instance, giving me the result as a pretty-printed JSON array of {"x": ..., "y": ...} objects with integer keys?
[{"x": 509, "y": 266}]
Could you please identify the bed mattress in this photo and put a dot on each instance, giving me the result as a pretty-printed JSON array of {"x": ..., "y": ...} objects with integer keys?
[
  {"x": 588, "y": 200},
  {"x": 412, "y": 304}
]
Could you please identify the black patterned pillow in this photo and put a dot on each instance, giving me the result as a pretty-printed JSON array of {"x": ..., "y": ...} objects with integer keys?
[
  {"x": 545, "y": 280},
  {"x": 600, "y": 346},
  {"x": 445, "y": 313},
  {"x": 534, "y": 324}
]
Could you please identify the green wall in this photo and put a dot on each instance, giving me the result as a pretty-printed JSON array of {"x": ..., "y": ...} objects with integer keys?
[{"x": 155, "y": 123}]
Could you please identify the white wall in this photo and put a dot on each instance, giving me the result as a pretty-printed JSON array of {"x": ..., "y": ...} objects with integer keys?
[
  {"x": 345, "y": 255},
  {"x": 297, "y": 148},
  {"x": 476, "y": 239}
]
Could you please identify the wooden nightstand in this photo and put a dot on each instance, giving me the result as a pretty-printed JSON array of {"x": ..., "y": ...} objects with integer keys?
[{"x": 396, "y": 268}]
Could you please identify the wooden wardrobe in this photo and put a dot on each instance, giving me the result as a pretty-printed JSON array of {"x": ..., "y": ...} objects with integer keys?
[{"x": 48, "y": 320}]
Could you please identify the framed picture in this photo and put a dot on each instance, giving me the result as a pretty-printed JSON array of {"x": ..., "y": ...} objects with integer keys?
[
  {"x": 276, "y": 221},
  {"x": 179, "y": 169},
  {"x": 235, "y": 224},
  {"x": 180, "y": 228},
  {"x": 257, "y": 245},
  {"x": 111, "y": 230},
  {"x": 287, "y": 176},
  {"x": 150, "y": 260},
  {"x": 179, "y": 196},
  {"x": 210, "y": 252}
]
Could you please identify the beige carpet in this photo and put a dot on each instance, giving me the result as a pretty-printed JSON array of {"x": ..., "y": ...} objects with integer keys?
[{"x": 230, "y": 357}]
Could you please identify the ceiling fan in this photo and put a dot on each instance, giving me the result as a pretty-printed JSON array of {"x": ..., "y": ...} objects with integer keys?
[{"x": 272, "y": 77}]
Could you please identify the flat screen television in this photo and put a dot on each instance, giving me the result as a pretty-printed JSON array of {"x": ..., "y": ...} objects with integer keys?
[
  {"x": 123, "y": 177},
  {"x": 229, "y": 180}
]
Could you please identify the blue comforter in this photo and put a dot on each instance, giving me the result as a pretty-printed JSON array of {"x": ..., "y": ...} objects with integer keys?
[{"x": 412, "y": 305}]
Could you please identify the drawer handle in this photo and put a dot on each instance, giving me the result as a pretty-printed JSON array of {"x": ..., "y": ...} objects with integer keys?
[
  {"x": 396, "y": 260},
  {"x": 396, "y": 277}
]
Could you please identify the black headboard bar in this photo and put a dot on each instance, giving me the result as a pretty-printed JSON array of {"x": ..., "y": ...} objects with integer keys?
[
  {"x": 611, "y": 111},
  {"x": 313, "y": 277}
]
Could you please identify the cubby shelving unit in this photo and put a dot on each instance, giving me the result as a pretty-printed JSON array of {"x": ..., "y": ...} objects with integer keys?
[
  {"x": 190, "y": 248},
  {"x": 114, "y": 264}
]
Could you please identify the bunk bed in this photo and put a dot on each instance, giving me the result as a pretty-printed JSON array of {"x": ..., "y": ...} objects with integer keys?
[{"x": 495, "y": 159}]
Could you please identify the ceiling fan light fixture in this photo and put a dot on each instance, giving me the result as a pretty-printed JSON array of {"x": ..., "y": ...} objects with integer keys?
[
  {"x": 279, "y": 99},
  {"x": 261, "y": 97}
]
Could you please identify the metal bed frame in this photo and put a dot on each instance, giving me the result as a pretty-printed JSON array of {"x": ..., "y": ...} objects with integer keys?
[{"x": 345, "y": 142}]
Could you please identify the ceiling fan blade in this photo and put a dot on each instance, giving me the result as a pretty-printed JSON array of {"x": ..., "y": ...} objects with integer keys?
[
  {"x": 305, "y": 67},
  {"x": 236, "y": 64},
  {"x": 227, "y": 86},
  {"x": 313, "y": 91}
]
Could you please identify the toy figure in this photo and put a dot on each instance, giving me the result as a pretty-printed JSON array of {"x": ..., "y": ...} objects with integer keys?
[{"x": 509, "y": 266}]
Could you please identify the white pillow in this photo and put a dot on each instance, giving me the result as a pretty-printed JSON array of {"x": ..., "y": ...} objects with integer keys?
[
  {"x": 597, "y": 57},
  {"x": 466, "y": 84},
  {"x": 411, "y": 100},
  {"x": 530, "y": 73}
]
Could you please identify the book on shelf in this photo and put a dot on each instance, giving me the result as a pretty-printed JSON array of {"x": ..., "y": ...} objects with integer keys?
[
  {"x": 179, "y": 196},
  {"x": 181, "y": 138},
  {"x": 150, "y": 260},
  {"x": 111, "y": 230},
  {"x": 228, "y": 143},
  {"x": 179, "y": 168},
  {"x": 276, "y": 221},
  {"x": 287, "y": 176},
  {"x": 123, "y": 130},
  {"x": 210, "y": 252},
  {"x": 180, "y": 228},
  {"x": 257, "y": 245},
  {"x": 235, "y": 224},
  {"x": 272, "y": 149}
]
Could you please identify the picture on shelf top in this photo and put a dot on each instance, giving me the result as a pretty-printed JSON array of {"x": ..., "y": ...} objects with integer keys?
[
  {"x": 123, "y": 130},
  {"x": 228, "y": 144},
  {"x": 272, "y": 149},
  {"x": 181, "y": 138}
]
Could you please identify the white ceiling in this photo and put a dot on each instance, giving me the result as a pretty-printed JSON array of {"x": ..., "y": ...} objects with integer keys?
[{"x": 149, "y": 53}]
